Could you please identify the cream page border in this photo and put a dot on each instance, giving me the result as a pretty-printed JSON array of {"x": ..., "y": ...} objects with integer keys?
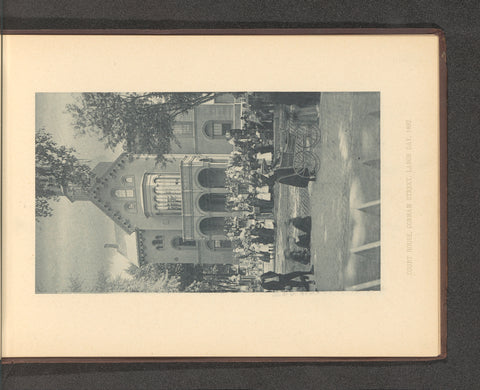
[{"x": 403, "y": 319}]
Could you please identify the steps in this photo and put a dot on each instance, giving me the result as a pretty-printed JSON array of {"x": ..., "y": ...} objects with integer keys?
[
  {"x": 365, "y": 250},
  {"x": 372, "y": 207},
  {"x": 364, "y": 286}
]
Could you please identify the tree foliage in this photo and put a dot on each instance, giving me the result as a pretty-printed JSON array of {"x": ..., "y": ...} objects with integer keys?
[
  {"x": 75, "y": 283},
  {"x": 214, "y": 284},
  {"x": 143, "y": 279},
  {"x": 56, "y": 166},
  {"x": 184, "y": 272},
  {"x": 169, "y": 277},
  {"x": 140, "y": 120}
]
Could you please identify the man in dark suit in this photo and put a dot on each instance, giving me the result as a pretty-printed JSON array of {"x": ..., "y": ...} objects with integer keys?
[{"x": 279, "y": 282}]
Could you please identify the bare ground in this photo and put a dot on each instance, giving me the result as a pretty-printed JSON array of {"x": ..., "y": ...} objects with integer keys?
[{"x": 349, "y": 177}]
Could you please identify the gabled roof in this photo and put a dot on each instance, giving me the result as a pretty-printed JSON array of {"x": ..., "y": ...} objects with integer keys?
[
  {"x": 141, "y": 247},
  {"x": 121, "y": 222},
  {"x": 127, "y": 244},
  {"x": 101, "y": 168},
  {"x": 104, "y": 179}
]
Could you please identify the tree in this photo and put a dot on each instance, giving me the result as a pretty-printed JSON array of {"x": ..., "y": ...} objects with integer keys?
[
  {"x": 213, "y": 285},
  {"x": 143, "y": 120},
  {"x": 56, "y": 166},
  {"x": 186, "y": 273},
  {"x": 75, "y": 283},
  {"x": 144, "y": 279}
]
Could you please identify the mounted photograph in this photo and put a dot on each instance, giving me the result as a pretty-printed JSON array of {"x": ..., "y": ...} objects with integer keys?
[
  {"x": 172, "y": 192},
  {"x": 148, "y": 187}
]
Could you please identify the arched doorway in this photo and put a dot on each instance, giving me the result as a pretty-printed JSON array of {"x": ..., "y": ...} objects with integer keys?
[
  {"x": 212, "y": 202},
  {"x": 213, "y": 226},
  {"x": 212, "y": 178}
]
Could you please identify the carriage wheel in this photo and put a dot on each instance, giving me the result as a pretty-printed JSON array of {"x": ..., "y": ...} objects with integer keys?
[
  {"x": 311, "y": 135},
  {"x": 314, "y": 136},
  {"x": 305, "y": 164}
]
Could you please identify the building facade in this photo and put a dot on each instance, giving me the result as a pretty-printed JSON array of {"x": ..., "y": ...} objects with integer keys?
[{"x": 176, "y": 209}]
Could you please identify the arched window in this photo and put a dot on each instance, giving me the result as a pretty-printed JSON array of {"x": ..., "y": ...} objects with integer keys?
[
  {"x": 131, "y": 207},
  {"x": 219, "y": 244},
  {"x": 180, "y": 243},
  {"x": 212, "y": 202},
  {"x": 212, "y": 178},
  {"x": 122, "y": 193},
  {"x": 217, "y": 129},
  {"x": 168, "y": 179},
  {"x": 128, "y": 180},
  {"x": 213, "y": 226},
  {"x": 162, "y": 193}
]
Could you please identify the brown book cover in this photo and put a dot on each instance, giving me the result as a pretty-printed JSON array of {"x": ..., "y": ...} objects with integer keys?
[{"x": 224, "y": 195}]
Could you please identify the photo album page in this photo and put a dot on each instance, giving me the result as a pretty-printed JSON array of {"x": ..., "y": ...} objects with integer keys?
[{"x": 243, "y": 196}]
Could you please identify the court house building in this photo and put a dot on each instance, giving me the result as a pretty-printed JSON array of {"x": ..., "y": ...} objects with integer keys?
[{"x": 176, "y": 209}]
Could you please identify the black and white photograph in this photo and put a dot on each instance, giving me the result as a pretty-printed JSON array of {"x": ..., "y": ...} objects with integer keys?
[{"x": 168, "y": 192}]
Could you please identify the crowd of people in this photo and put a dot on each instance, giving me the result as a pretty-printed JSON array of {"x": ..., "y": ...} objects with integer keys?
[{"x": 250, "y": 181}]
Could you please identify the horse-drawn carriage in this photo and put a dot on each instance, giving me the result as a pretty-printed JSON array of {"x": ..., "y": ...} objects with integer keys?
[{"x": 297, "y": 163}]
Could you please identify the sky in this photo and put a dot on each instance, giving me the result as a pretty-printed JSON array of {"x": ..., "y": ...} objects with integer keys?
[{"x": 71, "y": 242}]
